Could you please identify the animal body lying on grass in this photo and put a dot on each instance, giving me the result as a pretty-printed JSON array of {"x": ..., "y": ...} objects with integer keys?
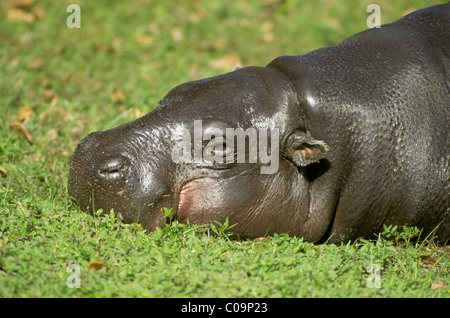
[{"x": 329, "y": 145}]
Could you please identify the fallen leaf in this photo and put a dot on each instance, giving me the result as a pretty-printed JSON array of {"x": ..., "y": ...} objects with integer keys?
[
  {"x": 44, "y": 82},
  {"x": 335, "y": 23},
  {"x": 20, "y": 206},
  {"x": 52, "y": 134},
  {"x": 19, "y": 15},
  {"x": 145, "y": 40},
  {"x": 118, "y": 96},
  {"x": 36, "y": 64},
  {"x": 177, "y": 34},
  {"x": 3, "y": 170},
  {"x": 319, "y": 253},
  {"x": 21, "y": 130},
  {"x": 438, "y": 284},
  {"x": 49, "y": 93},
  {"x": 18, "y": 84},
  {"x": 267, "y": 26},
  {"x": 65, "y": 78},
  {"x": 198, "y": 15},
  {"x": 226, "y": 62},
  {"x": 272, "y": 2},
  {"x": 210, "y": 46},
  {"x": 268, "y": 37},
  {"x": 53, "y": 101},
  {"x": 24, "y": 113},
  {"x": 39, "y": 13},
  {"x": 194, "y": 73},
  {"x": 135, "y": 113},
  {"x": 117, "y": 43},
  {"x": 96, "y": 265},
  {"x": 262, "y": 239},
  {"x": 428, "y": 259},
  {"x": 22, "y": 3}
]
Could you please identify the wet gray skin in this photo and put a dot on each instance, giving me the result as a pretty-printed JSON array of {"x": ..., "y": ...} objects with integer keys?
[{"x": 362, "y": 135}]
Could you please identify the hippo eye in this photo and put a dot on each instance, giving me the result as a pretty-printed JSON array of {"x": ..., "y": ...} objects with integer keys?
[{"x": 217, "y": 153}]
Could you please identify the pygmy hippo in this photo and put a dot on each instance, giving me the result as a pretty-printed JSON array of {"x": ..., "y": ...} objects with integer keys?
[{"x": 328, "y": 146}]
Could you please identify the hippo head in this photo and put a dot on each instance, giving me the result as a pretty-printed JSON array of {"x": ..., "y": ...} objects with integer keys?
[{"x": 231, "y": 146}]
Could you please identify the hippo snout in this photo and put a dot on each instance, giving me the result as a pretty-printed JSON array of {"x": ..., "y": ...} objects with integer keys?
[{"x": 103, "y": 175}]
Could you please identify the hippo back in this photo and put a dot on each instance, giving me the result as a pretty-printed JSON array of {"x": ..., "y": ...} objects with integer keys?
[{"x": 380, "y": 99}]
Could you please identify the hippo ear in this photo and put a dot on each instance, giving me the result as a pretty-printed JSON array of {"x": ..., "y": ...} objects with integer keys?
[{"x": 303, "y": 150}]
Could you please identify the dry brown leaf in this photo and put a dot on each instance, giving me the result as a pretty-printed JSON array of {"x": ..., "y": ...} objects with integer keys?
[
  {"x": 65, "y": 78},
  {"x": 428, "y": 259},
  {"x": 210, "y": 46},
  {"x": 21, "y": 3},
  {"x": 177, "y": 34},
  {"x": 136, "y": 113},
  {"x": 438, "y": 284},
  {"x": 117, "y": 43},
  {"x": 198, "y": 15},
  {"x": 39, "y": 13},
  {"x": 96, "y": 265},
  {"x": 267, "y": 28},
  {"x": 319, "y": 253},
  {"x": 50, "y": 135},
  {"x": 268, "y": 37},
  {"x": 145, "y": 40},
  {"x": 226, "y": 62},
  {"x": 53, "y": 101},
  {"x": 18, "y": 84},
  {"x": 335, "y": 23},
  {"x": 261, "y": 239},
  {"x": 36, "y": 64},
  {"x": 20, "y": 206},
  {"x": 19, "y": 15},
  {"x": 194, "y": 73},
  {"x": 49, "y": 94},
  {"x": 118, "y": 96},
  {"x": 24, "y": 113},
  {"x": 21, "y": 130}
]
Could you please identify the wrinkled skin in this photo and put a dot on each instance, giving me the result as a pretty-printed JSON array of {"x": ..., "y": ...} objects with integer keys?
[{"x": 368, "y": 117}]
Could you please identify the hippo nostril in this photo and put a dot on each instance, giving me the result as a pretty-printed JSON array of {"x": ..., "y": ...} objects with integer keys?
[{"x": 111, "y": 166}]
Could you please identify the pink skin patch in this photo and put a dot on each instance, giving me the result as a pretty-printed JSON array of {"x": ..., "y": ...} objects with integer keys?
[
  {"x": 185, "y": 200},
  {"x": 199, "y": 200}
]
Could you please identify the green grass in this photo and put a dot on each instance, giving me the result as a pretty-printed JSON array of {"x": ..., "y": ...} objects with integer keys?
[{"x": 145, "y": 48}]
